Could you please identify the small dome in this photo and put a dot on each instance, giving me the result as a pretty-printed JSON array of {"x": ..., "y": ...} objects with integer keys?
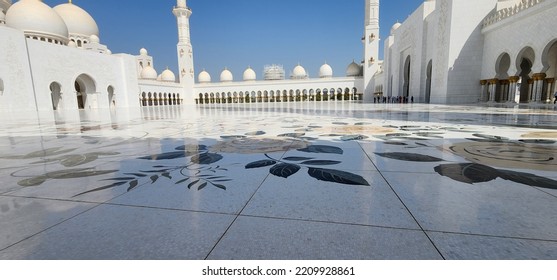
[
  {"x": 79, "y": 22},
  {"x": 148, "y": 73},
  {"x": 94, "y": 39},
  {"x": 226, "y": 76},
  {"x": 168, "y": 76},
  {"x": 325, "y": 71},
  {"x": 204, "y": 77},
  {"x": 395, "y": 27},
  {"x": 249, "y": 75},
  {"x": 72, "y": 44},
  {"x": 35, "y": 18},
  {"x": 143, "y": 51},
  {"x": 109, "y": 52},
  {"x": 299, "y": 72},
  {"x": 353, "y": 70}
]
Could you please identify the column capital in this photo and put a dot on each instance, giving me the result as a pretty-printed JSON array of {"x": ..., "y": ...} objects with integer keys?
[
  {"x": 550, "y": 80},
  {"x": 530, "y": 81},
  {"x": 504, "y": 82},
  {"x": 514, "y": 79},
  {"x": 539, "y": 76},
  {"x": 493, "y": 81},
  {"x": 483, "y": 82}
]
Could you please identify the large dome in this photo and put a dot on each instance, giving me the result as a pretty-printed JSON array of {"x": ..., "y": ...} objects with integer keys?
[
  {"x": 299, "y": 72},
  {"x": 168, "y": 76},
  {"x": 149, "y": 73},
  {"x": 249, "y": 75},
  {"x": 226, "y": 76},
  {"x": 204, "y": 77},
  {"x": 395, "y": 27},
  {"x": 325, "y": 71},
  {"x": 353, "y": 70},
  {"x": 78, "y": 21},
  {"x": 36, "y": 19}
]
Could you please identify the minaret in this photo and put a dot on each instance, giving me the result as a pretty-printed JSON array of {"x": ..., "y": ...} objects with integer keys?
[
  {"x": 185, "y": 50},
  {"x": 371, "y": 47}
]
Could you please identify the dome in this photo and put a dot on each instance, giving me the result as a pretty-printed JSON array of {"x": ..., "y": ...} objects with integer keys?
[
  {"x": 143, "y": 51},
  {"x": 299, "y": 72},
  {"x": 79, "y": 22},
  {"x": 353, "y": 70},
  {"x": 226, "y": 76},
  {"x": 325, "y": 71},
  {"x": 72, "y": 44},
  {"x": 249, "y": 75},
  {"x": 35, "y": 18},
  {"x": 168, "y": 76},
  {"x": 204, "y": 77},
  {"x": 395, "y": 27},
  {"x": 148, "y": 73}
]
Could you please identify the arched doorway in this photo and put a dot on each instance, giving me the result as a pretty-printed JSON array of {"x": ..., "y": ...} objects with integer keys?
[
  {"x": 502, "y": 68},
  {"x": 111, "y": 97},
  {"x": 525, "y": 61},
  {"x": 549, "y": 60},
  {"x": 85, "y": 87},
  {"x": 406, "y": 85},
  {"x": 428, "y": 82},
  {"x": 56, "y": 95}
]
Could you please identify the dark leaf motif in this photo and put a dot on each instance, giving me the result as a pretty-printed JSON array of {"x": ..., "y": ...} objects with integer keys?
[
  {"x": 170, "y": 155},
  {"x": 261, "y": 163},
  {"x": 182, "y": 181},
  {"x": 233, "y": 137},
  {"x": 469, "y": 173},
  {"x": 202, "y": 186},
  {"x": 321, "y": 162},
  {"x": 220, "y": 186},
  {"x": 297, "y": 158},
  {"x": 35, "y": 181},
  {"x": 154, "y": 171},
  {"x": 528, "y": 179},
  {"x": 491, "y": 137},
  {"x": 76, "y": 160},
  {"x": 321, "y": 149},
  {"x": 255, "y": 133},
  {"x": 77, "y": 173},
  {"x": 101, "y": 188},
  {"x": 340, "y": 123},
  {"x": 191, "y": 148},
  {"x": 284, "y": 170},
  {"x": 409, "y": 157},
  {"x": 193, "y": 183},
  {"x": 133, "y": 185},
  {"x": 136, "y": 174},
  {"x": 223, "y": 180},
  {"x": 206, "y": 158},
  {"x": 154, "y": 178},
  {"x": 166, "y": 175},
  {"x": 537, "y": 141},
  {"x": 337, "y": 176},
  {"x": 394, "y": 135},
  {"x": 396, "y": 143},
  {"x": 293, "y": 135},
  {"x": 47, "y": 153},
  {"x": 353, "y": 137}
]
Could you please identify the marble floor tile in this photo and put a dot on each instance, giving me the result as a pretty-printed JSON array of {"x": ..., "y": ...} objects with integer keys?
[
  {"x": 306, "y": 198},
  {"x": 473, "y": 247},
  {"x": 119, "y": 232},
  {"x": 498, "y": 207},
  {"x": 276, "y": 239},
  {"x": 21, "y": 218}
]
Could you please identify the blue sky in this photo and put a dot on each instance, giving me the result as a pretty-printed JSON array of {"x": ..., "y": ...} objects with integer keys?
[{"x": 241, "y": 33}]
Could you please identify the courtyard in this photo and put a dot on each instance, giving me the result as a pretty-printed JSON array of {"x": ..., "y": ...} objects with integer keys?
[{"x": 309, "y": 180}]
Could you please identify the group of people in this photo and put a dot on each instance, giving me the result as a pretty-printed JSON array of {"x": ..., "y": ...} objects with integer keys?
[{"x": 395, "y": 99}]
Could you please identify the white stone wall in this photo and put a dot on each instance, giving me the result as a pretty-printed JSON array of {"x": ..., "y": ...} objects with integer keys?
[
  {"x": 18, "y": 92},
  {"x": 465, "y": 50},
  {"x": 54, "y": 63}
]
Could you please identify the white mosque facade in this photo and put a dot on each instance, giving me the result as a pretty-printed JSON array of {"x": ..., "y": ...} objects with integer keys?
[{"x": 447, "y": 51}]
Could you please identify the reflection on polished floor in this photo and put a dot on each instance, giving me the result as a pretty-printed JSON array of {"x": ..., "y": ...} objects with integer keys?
[{"x": 281, "y": 181}]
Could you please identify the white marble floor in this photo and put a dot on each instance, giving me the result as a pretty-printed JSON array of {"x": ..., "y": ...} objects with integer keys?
[{"x": 281, "y": 181}]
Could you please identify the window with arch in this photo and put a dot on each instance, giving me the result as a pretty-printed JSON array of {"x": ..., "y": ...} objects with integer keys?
[{"x": 1, "y": 86}]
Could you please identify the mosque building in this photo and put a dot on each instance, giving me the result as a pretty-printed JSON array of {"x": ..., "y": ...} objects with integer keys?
[{"x": 446, "y": 52}]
